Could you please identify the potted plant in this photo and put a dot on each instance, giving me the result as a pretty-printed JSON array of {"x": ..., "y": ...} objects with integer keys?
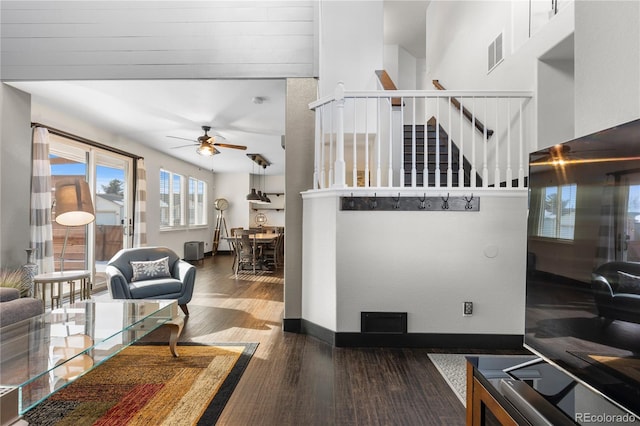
[{"x": 14, "y": 278}]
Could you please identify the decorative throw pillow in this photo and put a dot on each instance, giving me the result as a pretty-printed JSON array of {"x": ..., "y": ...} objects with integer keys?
[
  {"x": 151, "y": 269},
  {"x": 628, "y": 283}
]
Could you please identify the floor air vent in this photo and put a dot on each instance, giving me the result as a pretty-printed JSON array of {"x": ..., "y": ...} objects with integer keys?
[{"x": 383, "y": 322}]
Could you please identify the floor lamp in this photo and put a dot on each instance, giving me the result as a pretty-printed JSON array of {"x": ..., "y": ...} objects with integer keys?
[{"x": 73, "y": 207}]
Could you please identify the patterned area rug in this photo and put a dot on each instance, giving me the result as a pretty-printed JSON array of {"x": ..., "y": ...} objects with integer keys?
[
  {"x": 145, "y": 385},
  {"x": 454, "y": 370}
]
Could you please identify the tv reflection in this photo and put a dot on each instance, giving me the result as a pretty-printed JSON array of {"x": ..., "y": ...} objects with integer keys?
[{"x": 583, "y": 270}]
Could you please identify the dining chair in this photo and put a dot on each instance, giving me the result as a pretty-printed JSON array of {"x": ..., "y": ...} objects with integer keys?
[
  {"x": 244, "y": 252},
  {"x": 273, "y": 253}
]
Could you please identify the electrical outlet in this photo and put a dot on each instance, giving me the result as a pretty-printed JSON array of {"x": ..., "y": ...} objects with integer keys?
[{"x": 467, "y": 309}]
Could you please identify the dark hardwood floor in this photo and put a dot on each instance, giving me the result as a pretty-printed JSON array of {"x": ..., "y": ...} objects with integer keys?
[{"x": 297, "y": 380}]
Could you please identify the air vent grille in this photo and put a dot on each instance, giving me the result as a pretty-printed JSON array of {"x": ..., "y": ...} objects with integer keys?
[{"x": 495, "y": 53}]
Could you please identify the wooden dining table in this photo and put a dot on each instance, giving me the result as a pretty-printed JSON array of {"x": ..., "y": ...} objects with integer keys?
[{"x": 256, "y": 239}]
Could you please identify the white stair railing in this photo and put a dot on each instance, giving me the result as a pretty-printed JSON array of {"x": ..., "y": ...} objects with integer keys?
[{"x": 361, "y": 140}]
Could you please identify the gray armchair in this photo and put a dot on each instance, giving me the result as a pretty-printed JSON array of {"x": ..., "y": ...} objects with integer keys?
[{"x": 175, "y": 283}]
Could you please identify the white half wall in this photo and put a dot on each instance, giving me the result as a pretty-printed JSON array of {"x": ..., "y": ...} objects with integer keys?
[{"x": 423, "y": 263}]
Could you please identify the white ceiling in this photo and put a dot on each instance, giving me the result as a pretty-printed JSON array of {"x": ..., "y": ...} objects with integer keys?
[{"x": 149, "y": 111}]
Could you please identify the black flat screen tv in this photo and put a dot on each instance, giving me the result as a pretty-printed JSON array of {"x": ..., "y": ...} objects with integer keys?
[{"x": 583, "y": 270}]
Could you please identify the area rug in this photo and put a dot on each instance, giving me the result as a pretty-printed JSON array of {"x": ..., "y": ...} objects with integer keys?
[
  {"x": 453, "y": 369},
  {"x": 145, "y": 385}
]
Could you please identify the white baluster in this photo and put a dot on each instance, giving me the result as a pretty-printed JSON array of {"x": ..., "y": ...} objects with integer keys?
[
  {"x": 378, "y": 145},
  {"x": 401, "y": 139},
  {"x": 340, "y": 176},
  {"x": 461, "y": 152},
  {"x": 354, "y": 173},
  {"x": 473, "y": 171},
  {"x": 425, "y": 145},
  {"x": 316, "y": 156},
  {"x": 449, "y": 169},
  {"x": 366, "y": 143},
  {"x": 437, "y": 171},
  {"x": 521, "y": 156},
  {"x": 390, "y": 170},
  {"x": 485, "y": 170},
  {"x": 323, "y": 182},
  {"x": 414, "y": 174},
  {"x": 496, "y": 177},
  {"x": 509, "y": 172},
  {"x": 331, "y": 133}
]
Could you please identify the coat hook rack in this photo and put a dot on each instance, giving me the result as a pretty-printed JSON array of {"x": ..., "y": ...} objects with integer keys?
[{"x": 410, "y": 203}]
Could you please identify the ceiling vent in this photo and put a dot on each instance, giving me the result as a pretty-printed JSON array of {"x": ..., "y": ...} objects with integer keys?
[{"x": 495, "y": 53}]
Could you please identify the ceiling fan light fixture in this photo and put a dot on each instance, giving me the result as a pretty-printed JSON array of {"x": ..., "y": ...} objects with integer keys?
[{"x": 206, "y": 150}]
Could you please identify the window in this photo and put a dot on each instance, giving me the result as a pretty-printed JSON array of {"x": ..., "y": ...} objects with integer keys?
[
  {"x": 197, "y": 202},
  {"x": 558, "y": 212},
  {"x": 171, "y": 199}
]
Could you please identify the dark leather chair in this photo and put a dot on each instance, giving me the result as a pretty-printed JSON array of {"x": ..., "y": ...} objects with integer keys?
[{"x": 616, "y": 289}]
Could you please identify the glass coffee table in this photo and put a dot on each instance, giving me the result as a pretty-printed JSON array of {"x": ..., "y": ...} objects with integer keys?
[{"x": 43, "y": 354}]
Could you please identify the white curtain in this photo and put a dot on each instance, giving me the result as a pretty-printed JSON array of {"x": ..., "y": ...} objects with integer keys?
[
  {"x": 140, "y": 214},
  {"x": 41, "y": 230}
]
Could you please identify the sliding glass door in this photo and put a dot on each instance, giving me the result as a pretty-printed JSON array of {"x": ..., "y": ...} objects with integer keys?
[{"x": 111, "y": 181}]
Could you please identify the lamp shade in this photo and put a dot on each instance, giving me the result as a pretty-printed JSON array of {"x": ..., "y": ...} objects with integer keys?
[
  {"x": 253, "y": 196},
  {"x": 73, "y": 203}
]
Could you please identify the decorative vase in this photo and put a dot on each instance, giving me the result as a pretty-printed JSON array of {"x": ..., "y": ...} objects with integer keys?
[{"x": 29, "y": 271}]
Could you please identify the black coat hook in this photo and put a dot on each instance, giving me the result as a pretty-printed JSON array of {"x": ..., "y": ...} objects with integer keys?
[
  {"x": 373, "y": 204},
  {"x": 468, "y": 206},
  {"x": 445, "y": 202},
  {"x": 396, "y": 202},
  {"x": 423, "y": 204}
]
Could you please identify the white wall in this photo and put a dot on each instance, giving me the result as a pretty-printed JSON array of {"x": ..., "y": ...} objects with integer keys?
[
  {"x": 351, "y": 44},
  {"x": 234, "y": 188},
  {"x": 423, "y": 263},
  {"x": 15, "y": 176},
  {"x": 607, "y": 48}
]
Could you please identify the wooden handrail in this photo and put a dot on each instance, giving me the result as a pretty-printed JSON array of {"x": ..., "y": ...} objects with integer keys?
[
  {"x": 387, "y": 84},
  {"x": 468, "y": 115}
]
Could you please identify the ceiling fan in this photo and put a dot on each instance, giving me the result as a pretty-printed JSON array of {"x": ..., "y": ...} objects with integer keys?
[{"x": 207, "y": 144}]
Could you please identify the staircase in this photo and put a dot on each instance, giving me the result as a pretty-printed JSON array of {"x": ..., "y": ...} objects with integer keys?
[{"x": 431, "y": 157}]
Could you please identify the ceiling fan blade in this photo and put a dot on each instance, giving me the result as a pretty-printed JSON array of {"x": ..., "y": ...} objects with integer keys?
[
  {"x": 228, "y": 145},
  {"x": 178, "y": 137},
  {"x": 183, "y": 146}
]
